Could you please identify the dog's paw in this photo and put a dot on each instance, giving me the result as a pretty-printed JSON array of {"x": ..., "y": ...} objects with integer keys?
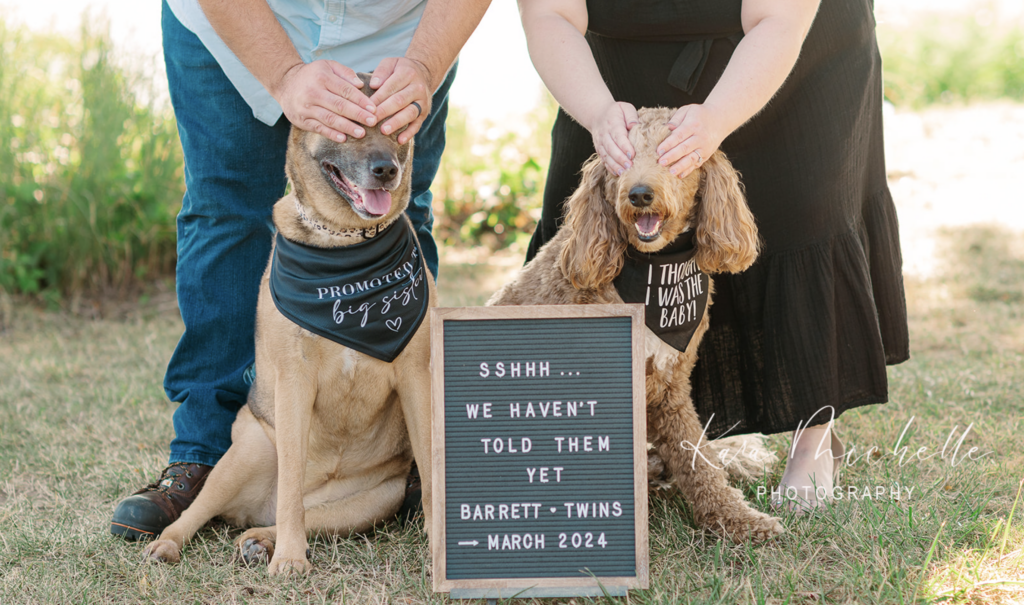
[
  {"x": 284, "y": 566},
  {"x": 765, "y": 527},
  {"x": 162, "y": 551},
  {"x": 752, "y": 525},
  {"x": 254, "y": 551}
]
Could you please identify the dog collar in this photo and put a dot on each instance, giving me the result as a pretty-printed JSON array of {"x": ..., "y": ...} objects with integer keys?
[
  {"x": 371, "y": 296},
  {"x": 366, "y": 233},
  {"x": 673, "y": 290}
]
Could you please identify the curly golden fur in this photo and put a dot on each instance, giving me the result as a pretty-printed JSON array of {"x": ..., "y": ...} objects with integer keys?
[{"x": 578, "y": 265}]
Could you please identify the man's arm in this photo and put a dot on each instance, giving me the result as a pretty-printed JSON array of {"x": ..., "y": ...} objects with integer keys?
[
  {"x": 322, "y": 96},
  {"x": 441, "y": 34}
]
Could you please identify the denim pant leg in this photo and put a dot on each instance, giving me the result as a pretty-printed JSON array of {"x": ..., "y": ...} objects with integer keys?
[
  {"x": 429, "y": 145},
  {"x": 234, "y": 172}
]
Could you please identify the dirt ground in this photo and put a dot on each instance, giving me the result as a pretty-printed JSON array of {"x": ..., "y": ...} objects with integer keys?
[{"x": 951, "y": 167}]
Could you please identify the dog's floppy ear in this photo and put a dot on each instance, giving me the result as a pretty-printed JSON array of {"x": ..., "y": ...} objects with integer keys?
[
  {"x": 592, "y": 256},
  {"x": 726, "y": 233}
]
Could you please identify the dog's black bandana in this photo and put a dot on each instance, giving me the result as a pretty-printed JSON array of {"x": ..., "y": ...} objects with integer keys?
[
  {"x": 673, "y": 290},
  {"x": 370, "y": 296}
]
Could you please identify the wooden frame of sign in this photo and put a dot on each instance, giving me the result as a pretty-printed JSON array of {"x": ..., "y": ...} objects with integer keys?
[{"x": 532, "y": 496}]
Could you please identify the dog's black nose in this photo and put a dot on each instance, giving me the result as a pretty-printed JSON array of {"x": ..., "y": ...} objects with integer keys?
[
  {"x": 383, "y": 169},
  {"x": 641, "y": 196}
]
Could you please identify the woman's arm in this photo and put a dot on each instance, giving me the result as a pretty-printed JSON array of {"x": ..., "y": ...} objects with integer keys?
[
  {"x": 774, "y": 32},
  {"x": 554, "y": 35}
]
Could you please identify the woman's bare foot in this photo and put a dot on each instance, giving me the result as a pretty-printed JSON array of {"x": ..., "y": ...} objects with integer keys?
[{"x": 809, "y": 477}]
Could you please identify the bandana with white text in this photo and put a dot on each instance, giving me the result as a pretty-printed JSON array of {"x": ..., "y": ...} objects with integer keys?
[
  {"x": 371, "y": 296},
  {"x": 673, "y": 290}
]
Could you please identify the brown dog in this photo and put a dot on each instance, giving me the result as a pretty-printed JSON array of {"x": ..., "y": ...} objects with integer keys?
[
  {"x": 647, "y": 208},
  {"x": 327, "y": 437}
]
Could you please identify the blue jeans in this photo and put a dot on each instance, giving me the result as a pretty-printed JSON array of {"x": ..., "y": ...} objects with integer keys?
[{"x": 234, "y": 172}]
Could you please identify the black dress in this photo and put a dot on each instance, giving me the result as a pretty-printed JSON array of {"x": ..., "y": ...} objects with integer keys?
[{"x": 821, "y": 313}]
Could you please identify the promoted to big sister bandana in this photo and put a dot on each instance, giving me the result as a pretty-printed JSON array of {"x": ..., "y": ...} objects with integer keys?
[
  {"x": 371, "y": 296},
  {"x": 673, "y": 290}
]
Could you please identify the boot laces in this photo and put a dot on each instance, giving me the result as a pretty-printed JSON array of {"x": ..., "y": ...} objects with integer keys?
[{"x": 168, "y": 478}]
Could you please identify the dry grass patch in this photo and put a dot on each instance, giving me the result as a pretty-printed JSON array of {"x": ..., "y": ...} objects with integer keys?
[{"x": 84, "y": 421}]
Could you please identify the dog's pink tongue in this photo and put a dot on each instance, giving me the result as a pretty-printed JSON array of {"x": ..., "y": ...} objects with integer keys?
[
  {"x": 376, "y": 201},
  {"x": 648, "y": 222}
]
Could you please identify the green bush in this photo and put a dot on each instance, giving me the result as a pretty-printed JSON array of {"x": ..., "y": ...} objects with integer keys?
[
  {"x": 489, "y": 187},
  {"x": 90, "y": 176},
  {"x": 951, "y": 59}
]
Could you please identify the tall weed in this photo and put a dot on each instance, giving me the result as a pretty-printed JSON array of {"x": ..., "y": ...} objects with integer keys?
[
  {"x": 952, "y": 58},
  {"x": 489, "y": 186},
  {"x": 90, "y": 177}
]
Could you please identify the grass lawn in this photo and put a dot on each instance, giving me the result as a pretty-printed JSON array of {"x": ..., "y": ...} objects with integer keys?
[{"x": 84, "y": 421}]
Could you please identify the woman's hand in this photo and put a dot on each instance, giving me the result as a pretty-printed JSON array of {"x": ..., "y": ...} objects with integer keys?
[
  {"x": 774, "y": 31},
  {"x": 696, "y": 134},
  {"x": 610, "y": 130}
]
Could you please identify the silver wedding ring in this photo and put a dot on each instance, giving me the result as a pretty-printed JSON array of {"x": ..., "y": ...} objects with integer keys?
[
  {"x": 419, "y": 110},
  {"x": 699, "y": 158}
]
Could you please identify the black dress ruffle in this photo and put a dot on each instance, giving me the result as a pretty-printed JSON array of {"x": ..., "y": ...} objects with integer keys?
[{"x": 815, "y": 320}]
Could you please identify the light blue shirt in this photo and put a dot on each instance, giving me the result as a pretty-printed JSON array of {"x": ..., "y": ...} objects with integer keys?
[{"x": 355, "y": 33}]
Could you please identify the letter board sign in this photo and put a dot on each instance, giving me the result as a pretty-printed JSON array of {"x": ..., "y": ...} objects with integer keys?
[{"x": 539, "y": 451}]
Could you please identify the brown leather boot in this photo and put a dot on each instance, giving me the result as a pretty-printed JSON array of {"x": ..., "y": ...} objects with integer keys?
[{"x": 148, "y": 511}]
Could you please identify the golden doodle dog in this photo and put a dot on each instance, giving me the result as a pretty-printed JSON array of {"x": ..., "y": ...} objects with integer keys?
[
  {"x": 327, "y": 437},
  {"x": 647, "y": 210}
]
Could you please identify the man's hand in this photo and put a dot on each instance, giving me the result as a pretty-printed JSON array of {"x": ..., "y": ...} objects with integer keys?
[
  {"x": 400, "y": 82},
  {"x": 325, "y": 97}
]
